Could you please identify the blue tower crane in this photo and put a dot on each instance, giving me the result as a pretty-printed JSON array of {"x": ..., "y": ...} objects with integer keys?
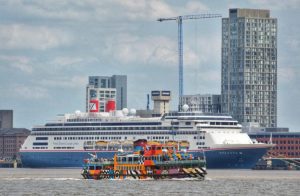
[{"x": 180, "y": 42}]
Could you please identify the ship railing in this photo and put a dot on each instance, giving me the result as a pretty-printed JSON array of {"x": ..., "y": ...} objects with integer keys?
[
  {"x": 284, "y": 158},
  {"x": 99, "y": 162},
  {"x": 194, "y": 162}
]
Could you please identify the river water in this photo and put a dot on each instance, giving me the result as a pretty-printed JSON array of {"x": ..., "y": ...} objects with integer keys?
[{"x": 23, "y": 181}]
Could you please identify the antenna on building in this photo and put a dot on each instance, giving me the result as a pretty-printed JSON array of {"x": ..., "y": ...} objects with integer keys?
[{"x": 148, "y": 101}]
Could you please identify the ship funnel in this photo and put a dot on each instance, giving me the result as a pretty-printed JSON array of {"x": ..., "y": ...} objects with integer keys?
[
  {"x": 94, "y": 106},
  {"x": 110, "y": 105}
]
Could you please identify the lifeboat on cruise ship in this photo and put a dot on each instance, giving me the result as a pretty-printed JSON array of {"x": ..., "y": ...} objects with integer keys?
[
  {"x": 184, "y": 145},
  {"x": 101, "y": 145},
  {"x": 172, "y": 143}
]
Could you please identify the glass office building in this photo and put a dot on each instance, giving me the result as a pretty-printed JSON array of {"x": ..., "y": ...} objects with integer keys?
[{"x": 249, "y": 66}]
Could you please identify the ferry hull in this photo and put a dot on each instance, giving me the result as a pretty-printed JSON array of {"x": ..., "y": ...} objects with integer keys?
[{"x": 243, "y": 158}]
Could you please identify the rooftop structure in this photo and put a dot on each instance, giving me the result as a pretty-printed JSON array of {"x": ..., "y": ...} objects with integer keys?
[{"x": 161, "y": 101}]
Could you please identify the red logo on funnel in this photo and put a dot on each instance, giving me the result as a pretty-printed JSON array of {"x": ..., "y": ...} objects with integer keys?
[{"x": 94, "y": 106}]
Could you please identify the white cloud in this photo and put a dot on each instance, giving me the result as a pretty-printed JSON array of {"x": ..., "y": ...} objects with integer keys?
[
  {"x": 196, "y": 7},
  {"x": 19, "y": 36},
  {"x": 160, "y": 9},
  {"x": 276, "y": 4},
  {"x": 29, "y": 92},
  {"x": 69, "y": 10},
  {"x": 293, "y": 43},
  {"x": 163, "y": 51},
  {"x": 21, "y": 63},
  {"x": 154, "y": 50},
  {"x": 288, "y": 74},
  {"x": 32, "y": 65},
  {"x": 66, "y": 65},
  {"x": 66, "y": 61},
  {"x": 87, "y": 10},
  {"x": 209, "y": 48},
  {"x": 153, "y": 9},
  {"x": 64, "y": 82}
]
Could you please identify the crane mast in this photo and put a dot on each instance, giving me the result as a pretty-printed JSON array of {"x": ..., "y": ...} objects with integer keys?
[{"x": 180, "y": 42}]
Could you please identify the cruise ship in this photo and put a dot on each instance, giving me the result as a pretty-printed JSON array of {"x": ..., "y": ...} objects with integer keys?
[{"x": 71, "y": 138}]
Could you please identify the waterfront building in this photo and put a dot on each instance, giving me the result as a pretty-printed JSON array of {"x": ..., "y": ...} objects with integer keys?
[
  {"x": 249, "y": 66},
  {"x": 117, "y": 82},
  {"x": 206, "y": 103},
  {"x": 287, "y": 143},
  {"x": 11, "y": 140},
  {"x": 6, "y": 119}
]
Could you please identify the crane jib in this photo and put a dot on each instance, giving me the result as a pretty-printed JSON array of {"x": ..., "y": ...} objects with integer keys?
[{"x": 180, "y": 42}]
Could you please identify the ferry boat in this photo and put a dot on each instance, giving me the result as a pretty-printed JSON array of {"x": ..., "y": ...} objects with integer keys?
[
  {"x": 69, "y": 139},
  {"x": 150, "y": 160}
]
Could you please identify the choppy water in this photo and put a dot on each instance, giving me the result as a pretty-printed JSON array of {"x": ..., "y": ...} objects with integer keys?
[{"x": 218, "y": 182}]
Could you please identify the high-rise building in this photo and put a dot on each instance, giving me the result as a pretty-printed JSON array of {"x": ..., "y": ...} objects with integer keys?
[
  {"x": 6, "y": 119},
  {"x": 120, "y": 83},
  {"x": 206, "y": 103},
  {"x": 117, "y": 82},
  {"x": 249, "y": 66}
]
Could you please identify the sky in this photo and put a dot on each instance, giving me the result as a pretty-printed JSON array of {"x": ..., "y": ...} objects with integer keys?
[{"x": 49, "y": 48}]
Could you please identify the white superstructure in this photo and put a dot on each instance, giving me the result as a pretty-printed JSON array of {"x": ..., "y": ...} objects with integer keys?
[{"x": 73, "y": 131}]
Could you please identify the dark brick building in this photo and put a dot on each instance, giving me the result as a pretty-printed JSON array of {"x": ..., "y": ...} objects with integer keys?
[
  {"x": 11, "y": 141},
  {"x": 287, "y": 143}
]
